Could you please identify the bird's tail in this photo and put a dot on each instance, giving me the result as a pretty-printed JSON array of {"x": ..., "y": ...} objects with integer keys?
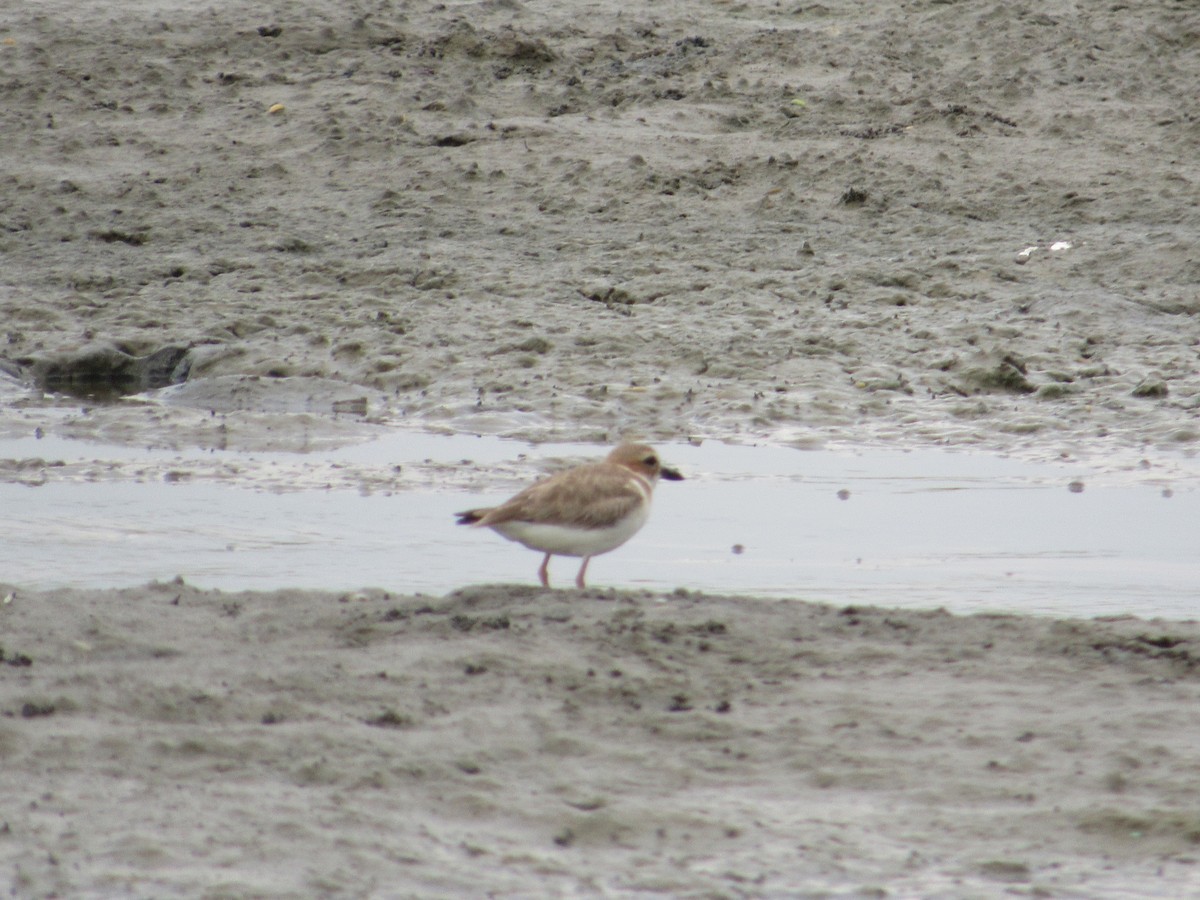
[{"x": 471, "y": 516}]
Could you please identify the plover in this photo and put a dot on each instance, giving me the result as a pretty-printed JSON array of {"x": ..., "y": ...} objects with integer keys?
[{"x": 584, "y": 511}]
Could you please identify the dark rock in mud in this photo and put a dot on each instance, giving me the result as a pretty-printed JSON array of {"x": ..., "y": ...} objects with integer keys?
[
  {"x": 103, "y": 371},
  {"x": 998, "y": 373},
  {"x": 1152, "y": 387}
]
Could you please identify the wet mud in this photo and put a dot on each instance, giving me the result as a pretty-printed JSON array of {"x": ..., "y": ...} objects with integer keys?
[
  {"x": 528, "y": 741},
  {"x": 284, "y": 226}
]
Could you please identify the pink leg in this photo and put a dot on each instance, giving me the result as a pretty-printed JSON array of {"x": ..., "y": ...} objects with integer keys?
[
  {"x": 582, "y": 571},
  {"x": 544, "y": 571}
]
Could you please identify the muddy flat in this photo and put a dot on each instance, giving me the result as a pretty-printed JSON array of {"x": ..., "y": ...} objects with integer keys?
[{"x": 279, "y": 229}]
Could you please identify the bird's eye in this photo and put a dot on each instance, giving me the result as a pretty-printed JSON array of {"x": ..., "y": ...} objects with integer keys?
[{"x": 650, "y": 461}]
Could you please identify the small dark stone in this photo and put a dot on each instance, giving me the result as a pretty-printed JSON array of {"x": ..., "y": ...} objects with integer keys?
[{"x": 389, "y": 719}]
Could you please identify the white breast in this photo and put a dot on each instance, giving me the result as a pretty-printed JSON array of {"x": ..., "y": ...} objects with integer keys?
[{"x": 563, "y": 540}]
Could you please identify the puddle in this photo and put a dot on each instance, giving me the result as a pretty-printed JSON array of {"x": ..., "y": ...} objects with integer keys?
[{"x": 970, "y": 532}]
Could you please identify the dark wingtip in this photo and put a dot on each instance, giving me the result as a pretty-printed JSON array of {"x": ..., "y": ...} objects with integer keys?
[
  {"x": 470, "y": 517},
  {"x": 671, "y": 474}
]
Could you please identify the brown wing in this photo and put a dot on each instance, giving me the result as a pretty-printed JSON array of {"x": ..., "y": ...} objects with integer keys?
[{"x": 605, "y": 490}]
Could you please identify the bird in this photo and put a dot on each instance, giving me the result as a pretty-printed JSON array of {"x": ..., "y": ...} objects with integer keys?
[{"x": 583, "y": 511}]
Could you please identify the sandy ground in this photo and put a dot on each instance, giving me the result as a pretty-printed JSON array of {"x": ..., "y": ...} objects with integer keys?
[
  {"x": 164, "y": 741},
  {"x": 804, "y": 222},
  {"x": 959, "y": 223}
]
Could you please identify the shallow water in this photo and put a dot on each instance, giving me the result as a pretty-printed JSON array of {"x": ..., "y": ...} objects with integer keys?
[{"x": 966, "y": 531}]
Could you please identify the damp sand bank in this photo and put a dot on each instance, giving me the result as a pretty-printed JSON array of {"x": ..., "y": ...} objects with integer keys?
[{"x": 172, "y": 741}]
